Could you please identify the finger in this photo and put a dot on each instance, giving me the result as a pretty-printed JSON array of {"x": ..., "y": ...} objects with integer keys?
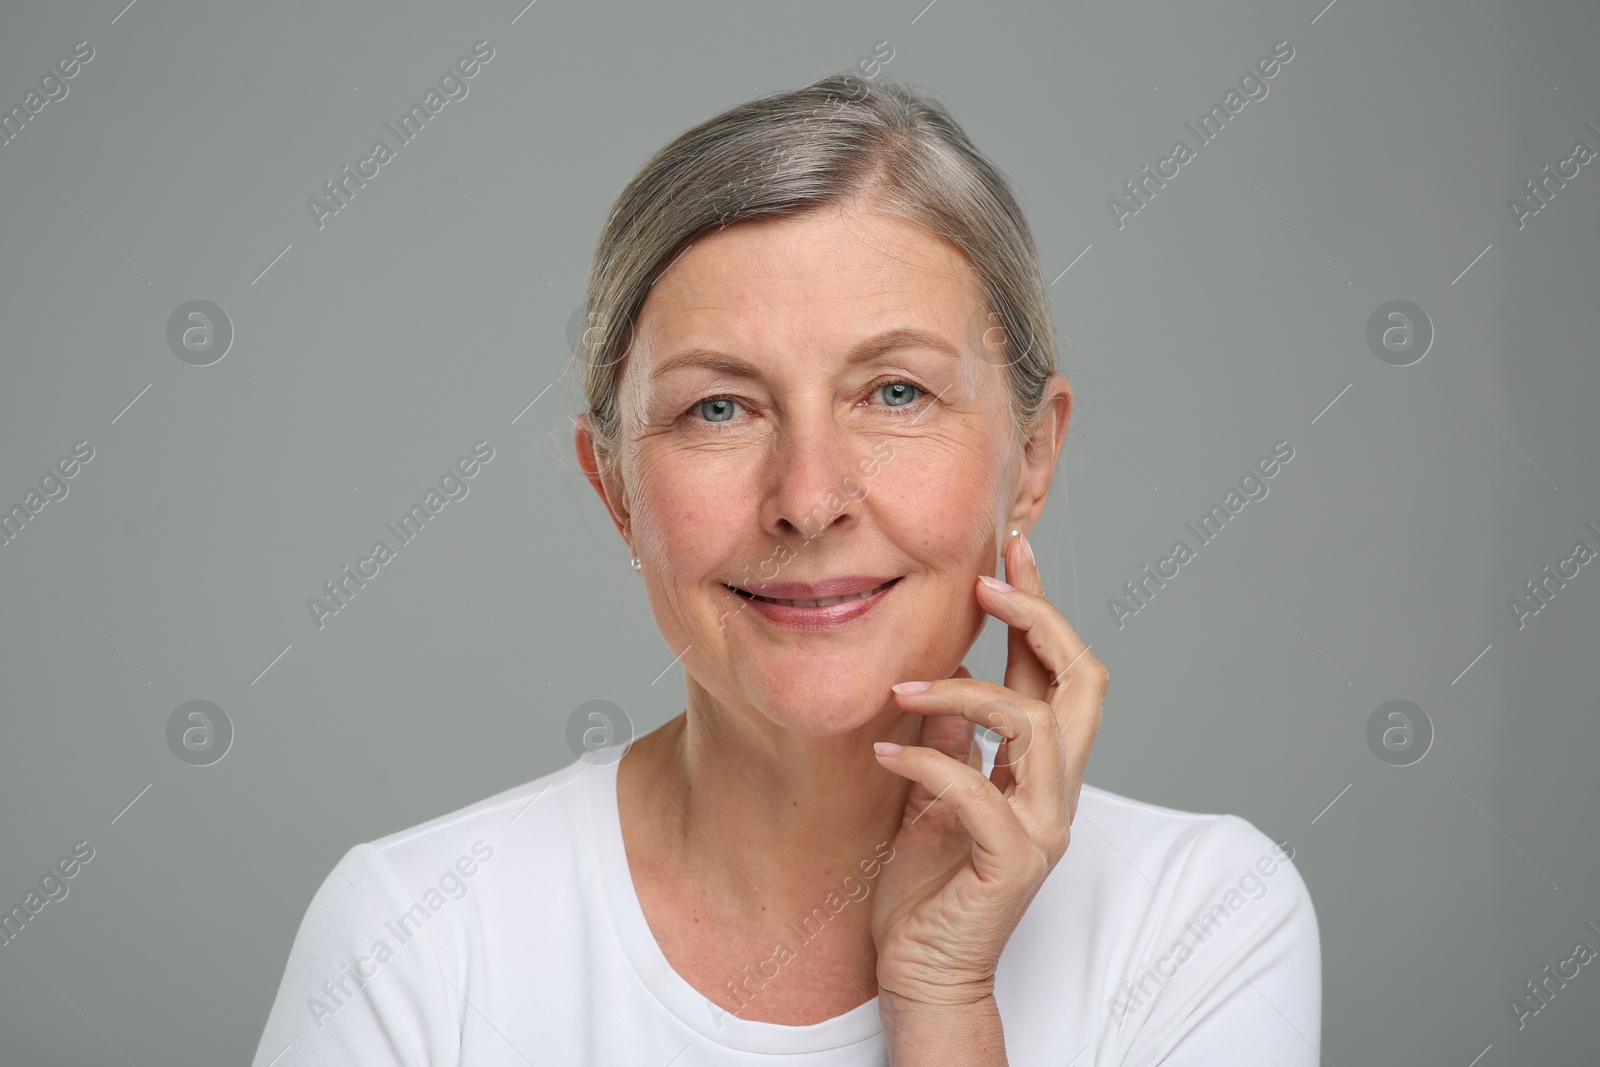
[
  {"x": 1049, "y": 636},
  {"x": 1080, "y": 679},
  {"x": 951, "y": 736},
  {"x": 1025, "y": 672},
  {"x": 1000, "y": 773},
  {"x": 974, "y": 750},
  {"x": 1001, "y": 847},
  {"x": 989, "y": 704},
  {"x": 1022, "y": 569},
  {"x": 1082, "y": 723},
  {"x": 1030, "y": 729}
]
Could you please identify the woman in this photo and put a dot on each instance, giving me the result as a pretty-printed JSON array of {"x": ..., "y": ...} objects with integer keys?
[{"x": 822, "y": 414}]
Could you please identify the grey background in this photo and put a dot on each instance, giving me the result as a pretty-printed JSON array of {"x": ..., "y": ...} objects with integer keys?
[{"x": 1227, "y": 315}]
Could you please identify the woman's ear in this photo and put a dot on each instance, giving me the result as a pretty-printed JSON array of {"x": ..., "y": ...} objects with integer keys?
[
  {"x": 1041, "y": 450},
  {"x": 601, "y": 469}
]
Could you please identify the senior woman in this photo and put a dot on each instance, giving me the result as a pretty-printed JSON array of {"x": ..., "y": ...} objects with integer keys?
[{"x": 823, "y": 414}]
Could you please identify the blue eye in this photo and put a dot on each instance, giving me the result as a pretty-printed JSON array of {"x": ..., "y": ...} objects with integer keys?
[
  {"x": 899, "y": 393},
  {"x": 720, "y": 404}
]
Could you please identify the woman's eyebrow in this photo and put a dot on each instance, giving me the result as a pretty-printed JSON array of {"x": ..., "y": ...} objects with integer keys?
[{"x": 864, "y": 351}]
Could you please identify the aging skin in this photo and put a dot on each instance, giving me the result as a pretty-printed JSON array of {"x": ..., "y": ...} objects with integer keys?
[{"x": 753, "y": 402}]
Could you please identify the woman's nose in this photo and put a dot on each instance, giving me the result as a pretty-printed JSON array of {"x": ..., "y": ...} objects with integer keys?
[{"x": 811, "y": 482}]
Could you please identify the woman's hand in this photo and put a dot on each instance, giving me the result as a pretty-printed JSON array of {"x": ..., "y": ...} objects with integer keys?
[{"x": 971, "y": 851}]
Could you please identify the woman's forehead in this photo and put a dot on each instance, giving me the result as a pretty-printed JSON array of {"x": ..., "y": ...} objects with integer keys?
[
  {"x": 842, "y": 277},
  {"x": 838, "y": 245}
]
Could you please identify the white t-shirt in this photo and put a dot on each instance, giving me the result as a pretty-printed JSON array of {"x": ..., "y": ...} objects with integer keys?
[{"x": 508, "y": 933}]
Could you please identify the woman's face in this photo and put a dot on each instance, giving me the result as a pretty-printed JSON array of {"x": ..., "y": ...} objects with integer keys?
[{"x": 808, "y": 400}]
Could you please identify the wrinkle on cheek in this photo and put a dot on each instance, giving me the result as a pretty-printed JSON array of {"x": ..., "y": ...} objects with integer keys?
[
  {"x": 986, "y": 378},
  {"x": 986, "y": 521},
  {"x": 650, "y": 511},
  {"x": 983, "y": 504},
  {"x": 951, "y": 486},
  {"x": 684, "y": 514}
]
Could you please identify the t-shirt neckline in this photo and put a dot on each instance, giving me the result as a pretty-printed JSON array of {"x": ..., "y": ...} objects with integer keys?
[{"x": 671, "y": 989}]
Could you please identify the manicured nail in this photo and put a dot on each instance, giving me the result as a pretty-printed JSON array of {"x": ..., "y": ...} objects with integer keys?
[
  {"x": 911, "y": 687},
  {"x": 996, "y": 584},
  {"x": 1028, "y": 548},
  {"x": 887, "y": 748}
]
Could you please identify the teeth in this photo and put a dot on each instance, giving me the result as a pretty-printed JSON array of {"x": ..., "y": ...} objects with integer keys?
[
  {"x": 816, "y": 603},
  {"x": 821, "y": 603}
]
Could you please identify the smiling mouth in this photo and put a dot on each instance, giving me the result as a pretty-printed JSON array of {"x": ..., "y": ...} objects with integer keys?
[{"x": 829, "y": 602}]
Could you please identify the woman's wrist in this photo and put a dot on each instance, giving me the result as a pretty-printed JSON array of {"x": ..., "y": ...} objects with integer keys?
[{"x": 952, "y": 1032}]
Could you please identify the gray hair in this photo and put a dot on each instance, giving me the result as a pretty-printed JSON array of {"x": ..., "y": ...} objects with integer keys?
[{"x": 836, "y": 140}]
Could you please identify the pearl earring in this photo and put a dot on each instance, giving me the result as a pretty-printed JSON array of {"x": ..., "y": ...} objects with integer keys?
[
  {"x": 1015, "y": 534},
  {"x": 638, "y": 566}
]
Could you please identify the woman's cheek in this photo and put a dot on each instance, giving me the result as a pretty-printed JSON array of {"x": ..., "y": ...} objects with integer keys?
[
  {"x": 668, "y": 501},
  {"x": 946, "y": 491},
  {"x": 694, "y": 515}
]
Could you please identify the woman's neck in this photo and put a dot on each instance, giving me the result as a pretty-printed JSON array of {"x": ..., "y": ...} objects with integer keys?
[
  {"x": 789, "y": 813},
  {"x": 755, "y": 853}
]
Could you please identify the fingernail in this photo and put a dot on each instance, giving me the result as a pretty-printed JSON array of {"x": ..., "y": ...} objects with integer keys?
[
  {"x": 996, "y": 584},
  {"x": 887, "y": 748},
  {"x": 1028, "y": 548},
  {"x": 911, "y": 687}
]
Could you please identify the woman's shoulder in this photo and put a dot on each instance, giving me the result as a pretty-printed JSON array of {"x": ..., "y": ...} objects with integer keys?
[
  {"x": 1167, "y": 835},
  {"x": 521, "y": 835},
  {"x": 535, "y": 808},
  {"x": 1187, "y": 916},
  {"x": 1162, "y": 928},
  {"x": 456, "y": 870},
  {"x": 1174, "y": 913},
  {"x": 545, "y": 817},
  {"x": 1145, "y": 857},
  {"x": 389, "y": 938}
]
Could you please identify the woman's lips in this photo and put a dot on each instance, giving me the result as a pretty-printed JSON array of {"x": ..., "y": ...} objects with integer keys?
[{"x": 832, "y": 611}]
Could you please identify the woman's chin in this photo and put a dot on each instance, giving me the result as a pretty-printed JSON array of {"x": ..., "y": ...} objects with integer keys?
[{"x": 821, "y": 712}]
